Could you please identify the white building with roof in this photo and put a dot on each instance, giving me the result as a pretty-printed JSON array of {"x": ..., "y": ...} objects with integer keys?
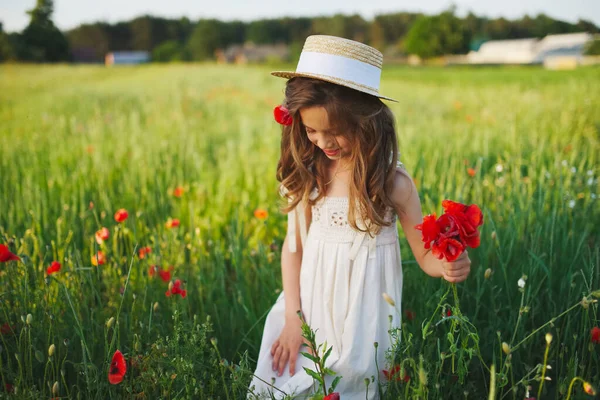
[{"x": 532, "y": 50}]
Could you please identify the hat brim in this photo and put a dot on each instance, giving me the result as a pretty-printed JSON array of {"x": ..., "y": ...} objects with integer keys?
[{"x": 331, "y": 79}]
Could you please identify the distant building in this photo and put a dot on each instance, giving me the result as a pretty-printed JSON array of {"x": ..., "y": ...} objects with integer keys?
[
  {"x": 532, "y": 51},
  {"x": 250, "y": 53},
  {"x": 572, "y": 44},
  {"x": 127, "y": 57},
  {"x": 518, "y": 51}
]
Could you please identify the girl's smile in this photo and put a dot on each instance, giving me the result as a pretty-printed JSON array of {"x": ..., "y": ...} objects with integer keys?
[{"x": 322, "y": 135}]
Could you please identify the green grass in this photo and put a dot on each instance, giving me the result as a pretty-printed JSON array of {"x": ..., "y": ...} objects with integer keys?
[{"x": 126, "y": 137}]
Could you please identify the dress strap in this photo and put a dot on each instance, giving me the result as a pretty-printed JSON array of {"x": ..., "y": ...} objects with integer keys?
[{"x": 298, "y": 213}]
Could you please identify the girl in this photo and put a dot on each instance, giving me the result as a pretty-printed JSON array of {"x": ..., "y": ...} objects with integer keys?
[{"x": 340, "y": 172}]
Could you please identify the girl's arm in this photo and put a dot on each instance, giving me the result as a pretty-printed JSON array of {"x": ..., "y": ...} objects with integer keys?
[
  {"x": 290, "y": 269},
  {"x": 405, "y": 196}
]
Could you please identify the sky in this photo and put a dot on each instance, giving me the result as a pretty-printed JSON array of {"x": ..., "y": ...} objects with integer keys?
[{"x": 71, "y": 13}]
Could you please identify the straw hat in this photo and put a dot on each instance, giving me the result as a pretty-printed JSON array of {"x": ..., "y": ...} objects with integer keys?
[{"x": 341, "y": 61}]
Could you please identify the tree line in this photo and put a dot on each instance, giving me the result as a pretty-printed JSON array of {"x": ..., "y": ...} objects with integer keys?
[{"x": 186, "y": 40}]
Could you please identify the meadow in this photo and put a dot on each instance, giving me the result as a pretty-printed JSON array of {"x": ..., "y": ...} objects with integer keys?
[{"x": 190, "y": 152}]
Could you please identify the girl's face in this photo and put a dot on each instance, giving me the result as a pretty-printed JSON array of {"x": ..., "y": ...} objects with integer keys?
[{"x": 321, "y": 134}]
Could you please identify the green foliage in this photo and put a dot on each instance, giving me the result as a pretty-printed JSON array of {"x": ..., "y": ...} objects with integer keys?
[
  {"x": 168, "y": 51},
  {"x": 41, "y": 40},
  {"x": 210, "y": 35},
  {"x": 6, "y": 48},
  {"x": 432, "y": 36},
  {"x": 594, "y": 48}
]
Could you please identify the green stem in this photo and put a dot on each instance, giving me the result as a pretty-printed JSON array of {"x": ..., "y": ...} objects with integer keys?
[
  {"x": 571, "y": 386},
  {"x": 547, "y": 323},
  {"x": 543, "y": 370}
]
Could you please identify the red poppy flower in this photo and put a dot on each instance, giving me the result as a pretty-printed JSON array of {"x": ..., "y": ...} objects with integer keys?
[
  {"x": 448, "y": 313},
  {"x": 152, "y": 271},
  {"x": 164, "y": 274},
  {"x": 332, "y": 396},
  {"x": 595, "y": 335},
  {"x": 121, "y": 215},
  {"x": 429, "y": 229},
  {"x": 6, "y": 255},
  {"x": 468, "y": 219},
  {"x": 9, "y": 388},
  {"x": 471, "y": 172},
  {"x": 410, "y": 315},
  {"x": 175, "y": 288},
  {"x": 102, "y": 235},
  {"x": 54, "y": 267},
  {"x": 7, "y": 329},
  {"x": 98, "y": 259},
  {"x": 282, "y": 115},
  {"x": 117, "y": 368},
  {"x": 172, "y": 223},
  {"x": 394, "y": 374},
  {"x": 449, "y": 248},
  {"x": 178, "y": 192},
  {"x": 143, "y": 251}
]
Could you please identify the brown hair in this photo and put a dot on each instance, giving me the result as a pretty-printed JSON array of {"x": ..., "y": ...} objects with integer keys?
[{"x": 367, "y": 123}]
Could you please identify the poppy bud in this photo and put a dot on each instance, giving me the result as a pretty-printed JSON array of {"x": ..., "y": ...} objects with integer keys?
[
  {"x": 110, "y": 322},
  {"x": 488, "y": 273},
  {"x": 505, "y": 348},
  {"x": 51, "y": 350},
  {"x": 589, "y": 389},
  {"x": 55, "y": 388},
  {"x": 29, "y": 319},
  {"x": 155, "y": 306},
  {"x": 548, "y": 338}
]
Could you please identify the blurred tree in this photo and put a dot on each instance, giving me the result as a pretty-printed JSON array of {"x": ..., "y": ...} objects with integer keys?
[
  {"x": 41, "y": 40},
  {"x": 90, "y": 42},
  {"x": 393, "y": 27},
  {"x": 587, "y": 26},
  {"x": 205, "y": 39},
  {"x": 267, "y": 31},
  {"x": 6, "y": 49},
  {"x": 436, "y": 35},
  {"x": 171, "y": 50},
  {"x": 352, "y": 27},
  {"x": 593, "y": 48}
]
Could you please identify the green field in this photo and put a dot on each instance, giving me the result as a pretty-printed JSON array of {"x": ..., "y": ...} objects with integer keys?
[{"x": 77, "y": 143}]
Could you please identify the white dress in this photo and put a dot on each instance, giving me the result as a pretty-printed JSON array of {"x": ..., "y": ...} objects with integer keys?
[{"x": 342, "y": 278}]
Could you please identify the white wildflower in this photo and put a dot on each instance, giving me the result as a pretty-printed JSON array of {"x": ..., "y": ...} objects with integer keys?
[
  {"x": 571, "y": 203},
  {"x": 573, "y": 169},
  {"x": 521, "y": 283},
  {"x": 564, "y": 163},
  {"x": 499, "y": 168},
  {"x": 590, "y": 172},
  {"x": 590, "y": 181}
]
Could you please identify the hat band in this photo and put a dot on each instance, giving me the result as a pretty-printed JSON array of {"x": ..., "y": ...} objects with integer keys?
[{"x": 339, "y": 67}]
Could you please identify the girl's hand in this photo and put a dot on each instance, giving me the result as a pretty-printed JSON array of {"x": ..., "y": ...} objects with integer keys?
[
  {"x": 457, "y": 270},
  {"x": 287, "y": 346}
]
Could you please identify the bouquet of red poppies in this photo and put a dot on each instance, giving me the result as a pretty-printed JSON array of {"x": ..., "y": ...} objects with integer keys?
[{"x": 453, "y": 231}]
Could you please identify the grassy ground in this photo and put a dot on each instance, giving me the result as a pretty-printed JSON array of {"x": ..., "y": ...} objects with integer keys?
[{"x": 77, "y": 143}]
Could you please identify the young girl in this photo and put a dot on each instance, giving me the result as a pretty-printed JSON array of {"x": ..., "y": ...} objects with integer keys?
[{"x": 340, "y": 172}]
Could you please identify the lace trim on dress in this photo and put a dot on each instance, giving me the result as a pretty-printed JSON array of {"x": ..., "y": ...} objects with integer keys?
[{"x": 337, "y": 219}]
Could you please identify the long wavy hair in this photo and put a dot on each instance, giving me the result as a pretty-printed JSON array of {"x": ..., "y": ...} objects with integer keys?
[{"x": 368, "y": 125}]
